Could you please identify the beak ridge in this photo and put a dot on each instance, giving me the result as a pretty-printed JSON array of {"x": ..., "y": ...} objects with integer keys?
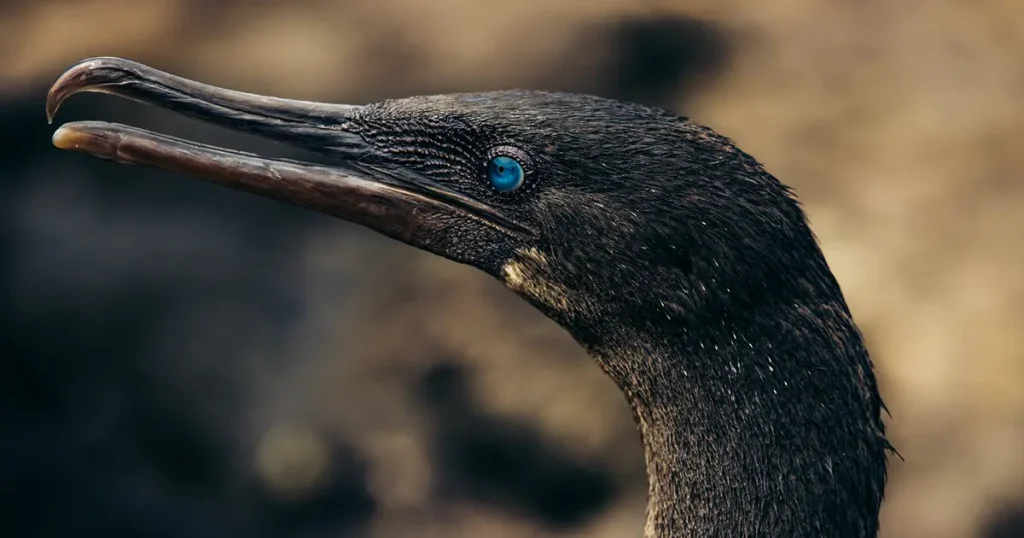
[{"x": 229, "y": 108}]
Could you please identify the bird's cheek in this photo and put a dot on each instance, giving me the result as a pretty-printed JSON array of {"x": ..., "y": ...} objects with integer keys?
[
  {"x": 463, "y": 240},
  {"x": 529, "y": 273}
]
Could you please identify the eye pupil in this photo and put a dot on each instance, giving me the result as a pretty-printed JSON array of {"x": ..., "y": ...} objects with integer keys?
[{"x": 505, "y": 173}]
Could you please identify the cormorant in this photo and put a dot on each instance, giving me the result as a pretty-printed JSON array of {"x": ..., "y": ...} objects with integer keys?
[{"x": 685, "y": 269}]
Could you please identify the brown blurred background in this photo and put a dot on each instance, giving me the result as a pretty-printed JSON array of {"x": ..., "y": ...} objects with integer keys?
[{"x": 180, "y": 360}]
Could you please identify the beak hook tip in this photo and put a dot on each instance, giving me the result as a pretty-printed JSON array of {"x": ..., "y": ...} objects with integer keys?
[
  {"x": 78, "y": 78},
  {"x": 55, "y": 97}
]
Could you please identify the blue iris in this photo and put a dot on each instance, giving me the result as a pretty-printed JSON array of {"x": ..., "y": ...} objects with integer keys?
[{"x": 505, "y": 173}]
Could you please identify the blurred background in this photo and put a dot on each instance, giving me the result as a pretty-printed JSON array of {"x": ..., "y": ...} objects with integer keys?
[{"x": 179, "y": 360}]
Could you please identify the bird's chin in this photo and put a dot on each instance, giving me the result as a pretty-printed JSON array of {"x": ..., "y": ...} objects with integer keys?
[{"x": 392, "y": 201}]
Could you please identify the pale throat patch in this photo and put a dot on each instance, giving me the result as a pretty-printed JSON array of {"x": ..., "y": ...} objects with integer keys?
[{"x": 528, "y": 273}]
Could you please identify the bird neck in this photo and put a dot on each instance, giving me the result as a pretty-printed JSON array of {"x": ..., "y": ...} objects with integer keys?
[{"x": 765, "y": 425}]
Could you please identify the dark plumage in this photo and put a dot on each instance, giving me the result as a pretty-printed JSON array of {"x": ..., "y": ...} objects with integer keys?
[{"x": 685, "y": 269}]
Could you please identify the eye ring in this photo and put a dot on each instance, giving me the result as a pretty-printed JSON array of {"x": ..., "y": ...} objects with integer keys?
[{"x": 507, "y": 168}]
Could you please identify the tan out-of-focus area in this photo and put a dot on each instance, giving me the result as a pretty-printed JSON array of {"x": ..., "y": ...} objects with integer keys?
[{"x": 186, "y": 361}]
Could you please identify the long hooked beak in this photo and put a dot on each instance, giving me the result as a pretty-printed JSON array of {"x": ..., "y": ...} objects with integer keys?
[{"x": 394, "y": 202}]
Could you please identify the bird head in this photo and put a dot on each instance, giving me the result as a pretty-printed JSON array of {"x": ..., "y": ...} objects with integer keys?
[{"x": 568, "y": 199}]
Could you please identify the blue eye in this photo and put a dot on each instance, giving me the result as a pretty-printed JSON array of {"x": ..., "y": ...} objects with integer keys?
[{"x": 505, "y": 173}]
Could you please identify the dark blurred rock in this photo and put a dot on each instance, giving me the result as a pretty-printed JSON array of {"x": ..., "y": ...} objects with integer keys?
[
  {"x": 1007, "y": 522},
  {"x": 658, "y": 60},
  {"x": 507, "y": 462}
]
